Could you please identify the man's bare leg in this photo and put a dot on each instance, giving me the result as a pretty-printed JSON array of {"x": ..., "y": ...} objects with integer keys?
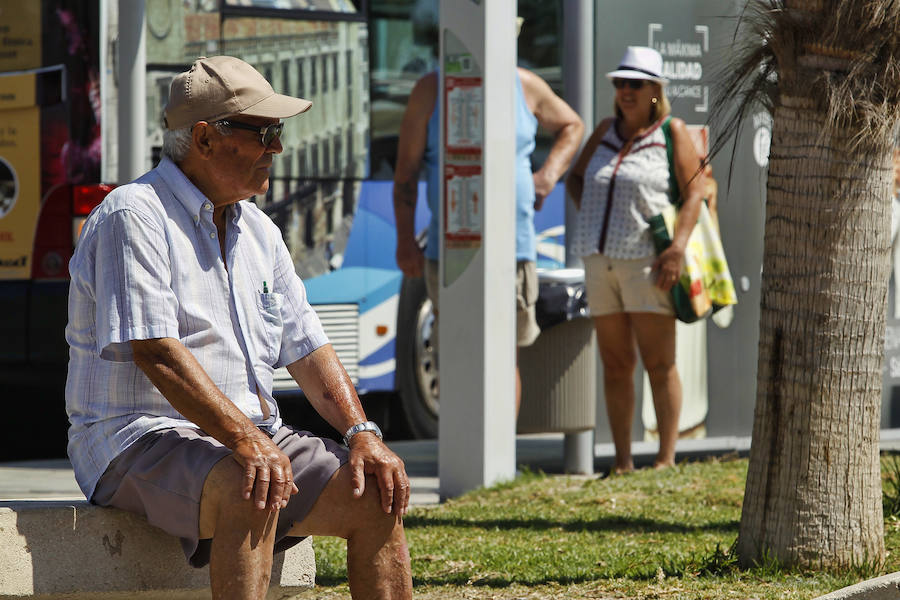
[
  {"x": 243, "y": 536},
  {"x": 377, "y": 555}
]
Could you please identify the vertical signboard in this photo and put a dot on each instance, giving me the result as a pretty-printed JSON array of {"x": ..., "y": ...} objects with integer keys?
[
  {"x": 20, "y": 178},
  {"x": 20, "y": 49},
  {"x": 463, "y": 154},
  {"x": 477, "y": 288}
]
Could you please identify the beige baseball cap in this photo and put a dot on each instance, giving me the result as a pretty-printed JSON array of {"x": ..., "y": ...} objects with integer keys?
[{"x": 221, "y": 86}]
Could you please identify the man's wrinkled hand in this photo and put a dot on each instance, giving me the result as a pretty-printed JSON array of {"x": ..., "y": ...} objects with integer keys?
[
  {"x": 369, "y": 456},
  {"x": 268, "y": 477}
]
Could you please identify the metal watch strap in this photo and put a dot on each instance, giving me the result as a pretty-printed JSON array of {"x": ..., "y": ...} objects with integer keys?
[{"x": 360, "y": 427}]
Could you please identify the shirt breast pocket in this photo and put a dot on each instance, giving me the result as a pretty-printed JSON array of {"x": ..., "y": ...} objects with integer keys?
[{"x": 269, "y": 305}]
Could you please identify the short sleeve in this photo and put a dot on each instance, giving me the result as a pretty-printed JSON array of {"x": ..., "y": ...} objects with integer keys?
[
  {"x": 134, "y": 297},
  {"x": 302, "y": 331}
]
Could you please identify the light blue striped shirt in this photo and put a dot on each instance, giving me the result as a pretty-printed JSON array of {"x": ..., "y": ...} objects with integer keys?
[{"x": 148, "y": 265}]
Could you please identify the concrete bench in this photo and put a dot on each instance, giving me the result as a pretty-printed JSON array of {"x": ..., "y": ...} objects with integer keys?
[{"x": 73, "y": 550}]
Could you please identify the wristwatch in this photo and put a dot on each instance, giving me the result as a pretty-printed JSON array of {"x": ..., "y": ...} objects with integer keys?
[{"x": 359, "y": 427}]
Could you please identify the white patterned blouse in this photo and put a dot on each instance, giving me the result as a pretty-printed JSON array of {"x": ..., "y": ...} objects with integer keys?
[{"x": 621, "y": 191}]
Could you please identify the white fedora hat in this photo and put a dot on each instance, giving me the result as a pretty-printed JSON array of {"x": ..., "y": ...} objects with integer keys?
[{"x": 640, "y": 62}]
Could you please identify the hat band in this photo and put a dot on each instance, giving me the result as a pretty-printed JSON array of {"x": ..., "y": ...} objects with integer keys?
[{"x": 644, "y": 71}]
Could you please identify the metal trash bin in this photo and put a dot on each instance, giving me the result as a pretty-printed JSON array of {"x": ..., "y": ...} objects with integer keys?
[{"x": 559, "y": 374}]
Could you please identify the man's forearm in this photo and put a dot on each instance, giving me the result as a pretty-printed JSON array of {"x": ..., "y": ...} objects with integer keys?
[
  {"x": 185, "y": 384},
  {"x": 561, "y": 153},
  {"x": 405, "y": 197},
  {"x": 328, "y": 388}
]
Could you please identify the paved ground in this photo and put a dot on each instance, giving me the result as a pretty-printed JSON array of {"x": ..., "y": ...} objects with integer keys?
[{"x": 53, "y": 479}]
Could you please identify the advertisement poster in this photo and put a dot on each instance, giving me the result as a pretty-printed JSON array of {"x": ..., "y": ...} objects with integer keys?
[
  {"x": 464, "y": 102},
  {"x": 20, "y": 35},
  {"x": 464, "y": 203},
  {"x": 19, "y": 174},
  {"x": 463, "y": 185}
]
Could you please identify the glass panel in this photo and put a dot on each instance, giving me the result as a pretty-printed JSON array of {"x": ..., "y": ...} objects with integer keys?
[
  {"x": 403, "y": 45},
  {"x": 340, "y": 6},
  {"x": 540, "y": 51}
]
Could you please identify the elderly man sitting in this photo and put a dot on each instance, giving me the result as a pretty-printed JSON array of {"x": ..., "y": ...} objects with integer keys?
[{"x": 183, "y": 301}]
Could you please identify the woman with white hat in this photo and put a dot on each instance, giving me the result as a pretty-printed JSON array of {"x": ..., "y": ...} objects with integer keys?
[{"x": 620, "y": 180}]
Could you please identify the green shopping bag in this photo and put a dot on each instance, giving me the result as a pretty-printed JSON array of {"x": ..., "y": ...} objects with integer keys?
[{"x": 705, "y": 285}]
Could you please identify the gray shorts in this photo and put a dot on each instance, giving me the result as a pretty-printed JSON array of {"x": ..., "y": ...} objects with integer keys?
[
  {"x": 161, "y": 477},
  {"x": 527, "y": 329}
]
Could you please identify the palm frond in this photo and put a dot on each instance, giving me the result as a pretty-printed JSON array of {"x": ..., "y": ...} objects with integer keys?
[{"x": 843, "y": 56}]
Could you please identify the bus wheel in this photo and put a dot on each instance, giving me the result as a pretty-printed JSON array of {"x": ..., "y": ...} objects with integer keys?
[{"x": 417, "y": 364}]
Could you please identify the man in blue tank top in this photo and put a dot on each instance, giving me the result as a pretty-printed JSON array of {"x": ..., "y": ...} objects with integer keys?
[{"x": 418, "y": 146}]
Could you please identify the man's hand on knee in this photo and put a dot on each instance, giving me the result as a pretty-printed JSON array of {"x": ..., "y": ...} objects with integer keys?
[
  {"x": 369, "y": 456},
  {"x": 268, "y": 477}
]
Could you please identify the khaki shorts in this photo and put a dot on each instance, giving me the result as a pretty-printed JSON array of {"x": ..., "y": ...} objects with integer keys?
[
  {"x": 527, "y": 329},
  {"x": 161, "y": 477},
  {"x": 616, "y": 285}
]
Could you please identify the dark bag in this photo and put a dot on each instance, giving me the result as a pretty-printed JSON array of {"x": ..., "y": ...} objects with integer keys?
[{"x": 559, "y": 302}]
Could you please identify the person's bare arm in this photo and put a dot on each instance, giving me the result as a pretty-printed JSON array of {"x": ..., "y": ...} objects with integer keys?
[
  {"x": 575, "y": 180},
  {"x": 329, "y": 390},
  {"x": 410, "y": 150},
  {"x": 175, "y": 372},
  {"x": 557, "y": 117},
  {"x": 690, "y": 183}
]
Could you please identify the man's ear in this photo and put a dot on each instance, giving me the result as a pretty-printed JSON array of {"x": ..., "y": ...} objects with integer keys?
[{"x": 201, "y": 134}]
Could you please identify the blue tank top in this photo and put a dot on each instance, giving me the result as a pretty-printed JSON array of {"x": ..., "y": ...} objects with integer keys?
[{"x": 526, "y": 129}]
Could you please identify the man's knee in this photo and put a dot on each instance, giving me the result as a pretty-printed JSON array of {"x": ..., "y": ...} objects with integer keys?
[
  {"x": 339, "y": 513},
  {"x": 221, "y": 492},
  {"x": 366, "y": 513}
]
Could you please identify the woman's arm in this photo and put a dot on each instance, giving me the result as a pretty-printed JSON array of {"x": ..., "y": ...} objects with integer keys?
[
  {"x": 690, "y": 183},
  {"x": 575, "y": 180}
]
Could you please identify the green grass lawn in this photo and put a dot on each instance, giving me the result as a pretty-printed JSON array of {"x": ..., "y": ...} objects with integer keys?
[{"x": 651, "y": 534}]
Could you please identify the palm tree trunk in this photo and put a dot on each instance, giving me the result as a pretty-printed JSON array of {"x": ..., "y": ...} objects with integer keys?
[{"x": 813, "y": 494}]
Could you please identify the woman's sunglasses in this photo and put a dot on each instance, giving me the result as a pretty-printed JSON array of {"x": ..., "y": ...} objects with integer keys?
[
  {"x": 267, "y": 134},
  {"x": 634, "y": 84}
]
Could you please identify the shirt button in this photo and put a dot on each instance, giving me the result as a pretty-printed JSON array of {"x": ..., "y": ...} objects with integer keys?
[
  {"x": 212, "y": 235},
  {"x": 207, "y": 206}
]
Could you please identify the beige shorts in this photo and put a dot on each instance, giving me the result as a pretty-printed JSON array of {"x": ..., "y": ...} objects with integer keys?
[
  {"x": 527, "y": 329},
  {"x": 161, "y": 477},
  {"x": 615, "y": 285}
]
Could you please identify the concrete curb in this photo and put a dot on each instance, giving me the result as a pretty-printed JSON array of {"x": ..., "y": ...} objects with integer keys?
[
  {"x": 76, "y": 551},
  {"x": 886, "y": 587}
]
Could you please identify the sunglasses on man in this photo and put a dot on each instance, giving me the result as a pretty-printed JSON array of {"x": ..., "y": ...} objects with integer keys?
[
  {"x": 267, "y": 134},
  {"x": 634, "y": 84}
]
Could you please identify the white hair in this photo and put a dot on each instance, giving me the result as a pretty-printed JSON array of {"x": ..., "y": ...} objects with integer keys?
[{"x": 177, "y": 142}]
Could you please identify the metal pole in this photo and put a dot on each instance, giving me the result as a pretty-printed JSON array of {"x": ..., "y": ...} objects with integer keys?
[
  {"x": 578, "y": 80},
  {"x": 132, "y": 69}
]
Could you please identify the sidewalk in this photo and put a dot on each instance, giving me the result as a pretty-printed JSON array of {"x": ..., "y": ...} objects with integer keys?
[{"x": 53, "y": 479}]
